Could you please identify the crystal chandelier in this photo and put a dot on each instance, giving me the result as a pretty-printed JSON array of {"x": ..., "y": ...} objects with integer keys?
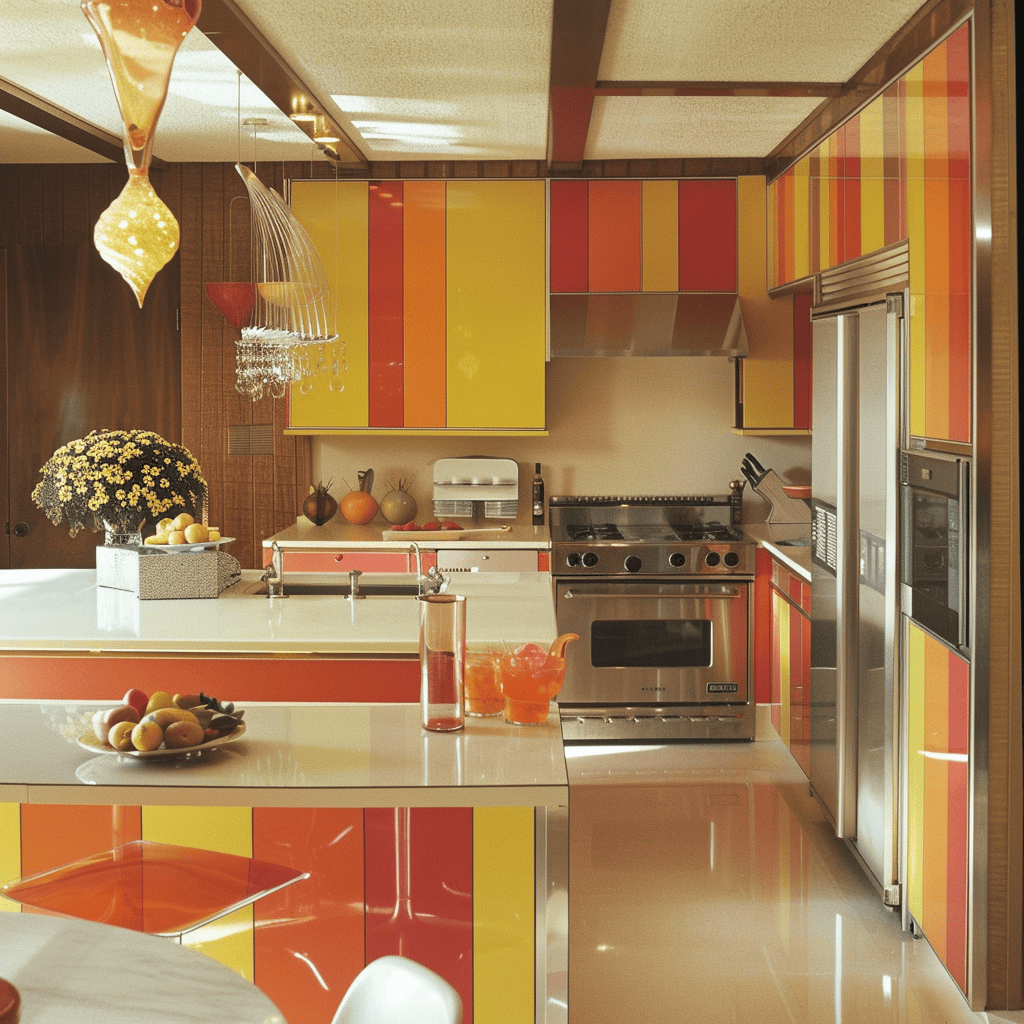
[{"x": 288, "y": 340}]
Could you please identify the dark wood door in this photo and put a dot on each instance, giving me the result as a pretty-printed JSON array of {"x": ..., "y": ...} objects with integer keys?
[{"x": 81, "y": 355}]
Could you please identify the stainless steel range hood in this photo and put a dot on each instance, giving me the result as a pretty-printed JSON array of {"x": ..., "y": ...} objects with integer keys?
[{"x": 648, "y": 324}]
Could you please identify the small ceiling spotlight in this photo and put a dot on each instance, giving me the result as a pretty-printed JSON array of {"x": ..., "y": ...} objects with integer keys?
[{"x": 323, "y": 132}]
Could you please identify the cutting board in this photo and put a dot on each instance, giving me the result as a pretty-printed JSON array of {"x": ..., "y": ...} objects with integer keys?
[{"x": 419, "y": 535}]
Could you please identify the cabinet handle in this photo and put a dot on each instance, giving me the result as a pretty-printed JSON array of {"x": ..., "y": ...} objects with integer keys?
[{"x": 21, "y": 530}]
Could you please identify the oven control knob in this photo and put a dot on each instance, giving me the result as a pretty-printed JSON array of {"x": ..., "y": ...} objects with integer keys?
[
  {"x": 572, "y": 559},
  {"x": 731, "y": 559},
  {"x": 632, "y": 563},
  {"x": 712, "y": 558},
  {"x": 677, "y": 559},
  {"x": 590, "y": 559}
]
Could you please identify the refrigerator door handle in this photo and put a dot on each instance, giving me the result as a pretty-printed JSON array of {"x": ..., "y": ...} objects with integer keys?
[{"x": 963, "y": 559}]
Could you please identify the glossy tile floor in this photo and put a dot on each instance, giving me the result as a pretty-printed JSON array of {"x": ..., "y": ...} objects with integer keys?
[{"x": 706, "y": 886}]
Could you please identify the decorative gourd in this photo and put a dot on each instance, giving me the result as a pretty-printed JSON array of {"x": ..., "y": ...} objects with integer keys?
[
  {"x": 398, "y": 506},
  {"x": 319, "y": 506},
  {"x": 359, "y": 507}
]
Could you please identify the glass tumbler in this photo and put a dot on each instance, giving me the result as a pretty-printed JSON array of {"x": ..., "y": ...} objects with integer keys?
[
  {"x": 442, "y": 661},
  {"x": 483, "y": 691}
]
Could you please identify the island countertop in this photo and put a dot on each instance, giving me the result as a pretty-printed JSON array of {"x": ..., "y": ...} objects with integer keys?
[
  {"x": 340, "y": 534},
  {"x": 291, "y": 756},
  {"x": 63, "y": 610}
]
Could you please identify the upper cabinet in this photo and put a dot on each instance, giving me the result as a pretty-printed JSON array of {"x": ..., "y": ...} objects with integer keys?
[
  {"x": 438, "y": 290},
  {"x": 773, "y": 384},
  {"x": 899, "y": 169}
]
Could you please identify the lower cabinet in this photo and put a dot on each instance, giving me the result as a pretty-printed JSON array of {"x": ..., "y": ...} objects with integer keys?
[{"x": 790, "y": 670}]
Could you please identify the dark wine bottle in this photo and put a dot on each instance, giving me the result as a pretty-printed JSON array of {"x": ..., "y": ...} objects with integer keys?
[{"x": 538, "y": 496}]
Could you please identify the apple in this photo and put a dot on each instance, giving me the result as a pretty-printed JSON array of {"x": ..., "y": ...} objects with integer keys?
[{"x": 137, "y": 699}]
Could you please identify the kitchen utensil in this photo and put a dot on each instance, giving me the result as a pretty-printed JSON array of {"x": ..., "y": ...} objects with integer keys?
[{"x": 802, "y": 491}]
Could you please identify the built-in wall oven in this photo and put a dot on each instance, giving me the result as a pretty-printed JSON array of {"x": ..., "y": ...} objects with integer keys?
[
  {"x": 659, "y": 591},
  {"x": 934, "y": 517}
]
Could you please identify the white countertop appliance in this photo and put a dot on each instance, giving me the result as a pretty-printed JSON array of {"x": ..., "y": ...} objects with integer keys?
[
  {"x": 464, "y": 486},
  {"x": 660, "y": 591}
]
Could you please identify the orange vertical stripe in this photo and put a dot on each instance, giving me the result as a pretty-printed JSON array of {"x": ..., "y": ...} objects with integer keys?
[
  {"x": 425, "y": 306},
  {"x": 615, "y": 236},
  {"x": 55, "y": 834},
  {"x": 308, "y": 943}
]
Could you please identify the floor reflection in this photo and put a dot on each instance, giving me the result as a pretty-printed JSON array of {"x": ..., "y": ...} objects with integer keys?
[{"x": 706, "y": 885}]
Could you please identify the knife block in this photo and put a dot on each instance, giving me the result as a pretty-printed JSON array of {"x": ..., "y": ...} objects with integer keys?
[{"x": 784, "y": 509}]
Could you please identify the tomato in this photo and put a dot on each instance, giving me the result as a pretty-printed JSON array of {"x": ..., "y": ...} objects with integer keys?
[{"x": 447, "y": 524}]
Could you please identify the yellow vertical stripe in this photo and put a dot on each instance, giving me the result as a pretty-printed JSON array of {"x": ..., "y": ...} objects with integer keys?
[
  {"x": 936, "y": 793},
  {"x": 785, "y": 729},
  {"x": 872, "y": 214},
  {"x": 226, "y": 830},
  {"x": 660, "y": 263},
  {"x": 10, "y": 848},
  {"x": 496, "y": 303},
  {"x": 917, "y": 334},
  {"x": 503, "y": 915},
  {"x": 335, "y": 214},
  {"x": 871, "y": 141},
  {"x": 768, "y": 373},
  {"x": 915, "y": 770}
]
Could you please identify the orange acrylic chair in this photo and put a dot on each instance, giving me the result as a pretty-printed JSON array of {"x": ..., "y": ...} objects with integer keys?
[{"x": 149, "y": 887}]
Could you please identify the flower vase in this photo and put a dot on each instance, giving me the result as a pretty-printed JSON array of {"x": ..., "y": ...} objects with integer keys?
[{"x": 119, "y": 536}]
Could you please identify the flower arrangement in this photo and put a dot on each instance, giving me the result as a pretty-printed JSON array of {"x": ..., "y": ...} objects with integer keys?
[{"x": 116, "y": 480}]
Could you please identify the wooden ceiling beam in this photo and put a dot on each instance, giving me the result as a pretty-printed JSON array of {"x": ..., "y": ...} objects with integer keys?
[
  {"x": 53, "y": 119},
  {"x": 248, "y": 49},
  {"x": 738, "y": 89},
  {"x": 577, "y": 41}
]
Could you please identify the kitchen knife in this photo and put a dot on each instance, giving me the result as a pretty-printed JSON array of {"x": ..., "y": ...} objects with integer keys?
[
  {"x": 752, "y": 474},
  {"x": 758, "y": 468}
]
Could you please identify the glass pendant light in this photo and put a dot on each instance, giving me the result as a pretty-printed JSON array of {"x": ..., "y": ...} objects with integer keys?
[{"x": 137, "y": 234}]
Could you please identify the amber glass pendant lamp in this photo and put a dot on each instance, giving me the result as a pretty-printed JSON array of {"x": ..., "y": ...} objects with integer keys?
[{"x": 137, "y": 234}]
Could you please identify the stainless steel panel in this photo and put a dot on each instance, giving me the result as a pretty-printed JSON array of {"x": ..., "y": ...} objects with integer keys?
[
  {"x": 647, "y": 324},
  {"x": 659, "y": 642},
  {"x": 551, "y": 914},
  {"x": 826, "y": 457}
]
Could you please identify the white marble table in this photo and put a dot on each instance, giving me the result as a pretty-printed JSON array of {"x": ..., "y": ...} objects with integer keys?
[{"x": 75, "y": 971}]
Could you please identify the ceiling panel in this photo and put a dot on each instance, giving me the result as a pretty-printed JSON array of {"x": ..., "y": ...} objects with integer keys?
[
  {"x": 746, "y": 40},
  {"x": 49, "y": 48},
  {"x": 24, "y": 143},
  {"x": 449, "y": 79},
  {"x": 665, "y": 127}
]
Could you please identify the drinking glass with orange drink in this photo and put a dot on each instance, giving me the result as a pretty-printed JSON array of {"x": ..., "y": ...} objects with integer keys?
[
  {"x": 529, "y": 678},
  {"x": 483, "y": 694}
]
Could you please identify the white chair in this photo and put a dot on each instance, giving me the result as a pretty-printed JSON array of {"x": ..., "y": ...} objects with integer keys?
[{"x": 395, "y": 990}]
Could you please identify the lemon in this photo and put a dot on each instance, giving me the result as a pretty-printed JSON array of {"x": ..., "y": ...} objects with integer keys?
[{"x": 160, "y": 699}]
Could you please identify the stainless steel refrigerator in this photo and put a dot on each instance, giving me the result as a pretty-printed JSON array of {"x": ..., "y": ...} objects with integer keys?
[{"x": 855, "y": 699}]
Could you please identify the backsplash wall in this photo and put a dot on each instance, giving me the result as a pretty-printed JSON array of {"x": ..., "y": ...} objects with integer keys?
[{"x": 616, "y": 426}]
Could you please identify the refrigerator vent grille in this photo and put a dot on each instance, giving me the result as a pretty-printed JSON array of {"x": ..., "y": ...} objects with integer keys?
[
  {"x": 825, "y": 536},
  {"x": 863, "y": 280}
]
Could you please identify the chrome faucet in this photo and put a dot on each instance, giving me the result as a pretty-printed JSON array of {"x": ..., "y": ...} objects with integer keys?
[
  {"x": 274, "y": 575},
  {"x": 353, "y": 584},
  {"x": 430, "y": 582}
]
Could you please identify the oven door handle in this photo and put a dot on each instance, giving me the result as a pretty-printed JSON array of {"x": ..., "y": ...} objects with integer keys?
[{"x": 722, "y": 593}]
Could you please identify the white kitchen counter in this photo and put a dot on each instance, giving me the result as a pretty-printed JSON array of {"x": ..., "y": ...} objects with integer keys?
[
  {"x": 63, "y": 610},
  {"x": 340, "y": 534},
  {"x": 362, "y": 755},
  {"x": 778, "y": 540}
]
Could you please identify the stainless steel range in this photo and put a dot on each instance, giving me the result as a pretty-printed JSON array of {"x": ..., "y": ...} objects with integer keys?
[{"x": 660, "y": 591}]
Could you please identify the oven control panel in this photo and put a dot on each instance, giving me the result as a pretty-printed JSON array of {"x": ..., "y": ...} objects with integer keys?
[{"x": 726, "y": 559}]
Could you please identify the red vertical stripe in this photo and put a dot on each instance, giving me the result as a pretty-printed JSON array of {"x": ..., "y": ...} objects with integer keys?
[
  {"x": 308, "y": 938},
  {"x": 615, "y": 236},
  {"x": 958, "y": 823},
  {"x": 762, "y": 651},
  {"x": 569, "y": 236},
  {"x": 707, "y": 235},
  {"x": 386, "y": 314},
  {"x": 419, "y": 890},
  {"x": 802, "y": 368},
  {"x": 958, "y": 64}
]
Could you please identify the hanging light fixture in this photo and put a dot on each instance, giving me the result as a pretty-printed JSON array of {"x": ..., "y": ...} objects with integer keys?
[
  {"x": 137, "y": 234},
  {"x": 289, "y": 340},
  {"x": 323, "y": 132}
]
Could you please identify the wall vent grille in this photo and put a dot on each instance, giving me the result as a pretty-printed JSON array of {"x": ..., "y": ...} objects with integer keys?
[{"x": 251, "y": 439}]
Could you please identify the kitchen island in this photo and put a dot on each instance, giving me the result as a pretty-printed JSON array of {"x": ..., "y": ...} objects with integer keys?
[{"x": 449, "y": 847}]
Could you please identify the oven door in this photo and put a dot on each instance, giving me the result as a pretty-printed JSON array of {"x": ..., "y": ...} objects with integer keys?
[{"x": 654, "y": 642}]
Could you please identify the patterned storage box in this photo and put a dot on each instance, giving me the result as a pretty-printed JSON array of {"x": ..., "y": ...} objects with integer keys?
[{"x": 161, "y": 575}]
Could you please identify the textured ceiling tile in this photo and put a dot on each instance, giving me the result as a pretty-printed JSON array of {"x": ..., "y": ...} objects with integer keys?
[
  {"x": 665, "y": 127},
  {"x": 747, "y": 40},
  {"x": 49, "y": 48},
  {"x": 456, "y": 79}
]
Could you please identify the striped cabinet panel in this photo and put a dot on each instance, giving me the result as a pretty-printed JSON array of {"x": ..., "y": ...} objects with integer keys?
[
  {"x": 938, "y": 810},
  {"x": 900, "y": 168},
  {"x": 438, "y": 292}
]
